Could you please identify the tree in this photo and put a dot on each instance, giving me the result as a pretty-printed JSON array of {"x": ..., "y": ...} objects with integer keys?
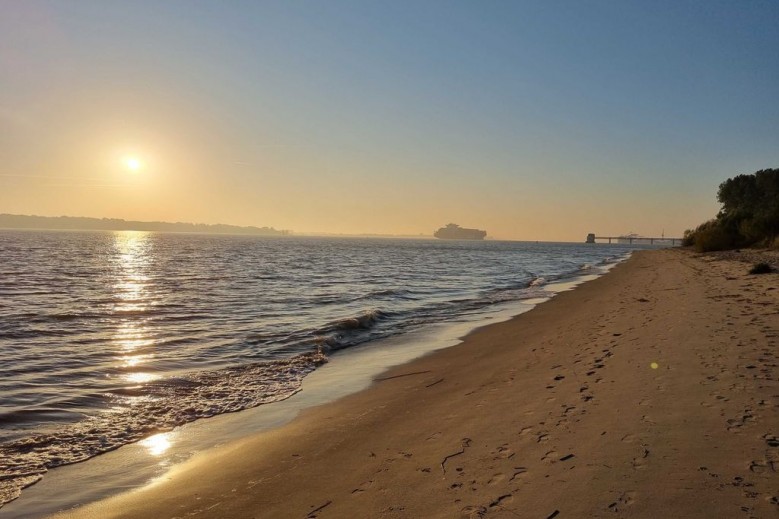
[{"x": 749, "y": 213}]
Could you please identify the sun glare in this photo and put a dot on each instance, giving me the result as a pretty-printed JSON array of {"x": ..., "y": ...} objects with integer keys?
[
  {"x": 133, "y": 163},
  {"x": 157, "y": 444}
]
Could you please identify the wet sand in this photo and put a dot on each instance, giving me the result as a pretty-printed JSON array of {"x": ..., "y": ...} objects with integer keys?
[{"x": 649, "y": 392}]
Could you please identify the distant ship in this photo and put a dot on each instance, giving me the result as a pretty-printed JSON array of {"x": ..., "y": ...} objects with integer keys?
[{"x": 454, "y": 232}]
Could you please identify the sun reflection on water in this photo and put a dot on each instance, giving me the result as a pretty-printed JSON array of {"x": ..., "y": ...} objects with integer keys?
[
  {"x": 132, "y": 287},
  {"x": 140, "y": 378},
  {"x": 157, "y": 444},
  {"x": 131, "y": 336},
  {"x": 133, "y": 257},
  {"x": 130, "y": 361}
]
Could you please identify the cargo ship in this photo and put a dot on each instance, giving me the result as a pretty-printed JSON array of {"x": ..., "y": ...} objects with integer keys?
[{"x": 454, "y": 232}]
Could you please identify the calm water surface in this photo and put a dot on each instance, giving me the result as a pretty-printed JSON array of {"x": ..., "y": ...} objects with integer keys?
[{"x": 107, "y": 338}]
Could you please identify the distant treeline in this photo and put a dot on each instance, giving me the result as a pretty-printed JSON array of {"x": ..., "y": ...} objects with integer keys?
[
  {"x": 16, "y": 221},
  {"x": 749, "y": 214}
]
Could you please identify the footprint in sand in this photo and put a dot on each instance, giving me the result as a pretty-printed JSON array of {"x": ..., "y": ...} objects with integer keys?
[
  {"x": 567, "y": 409},
  {"x": 640, "y": 462},
  {"x": 504, "y": 499},
  {"x": 474, "y": 512},
  {"x": 735, "y": 424},
  {"x": 629, "y": 438},
  {"x": 363, "y": 487},
  {"x": 504, "y": 452},
  {"x": 496, "y": 478},
  {"x": 762, "y": 466},
  {"x": 518, "y": 473},
  {"x": 525, "y": 431},
  {"x": 550, "y": 456},
  {"x": 624, "y": 500}
]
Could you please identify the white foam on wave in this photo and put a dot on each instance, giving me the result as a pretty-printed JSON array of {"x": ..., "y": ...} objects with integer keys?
[{"x": 164, "y": 404}]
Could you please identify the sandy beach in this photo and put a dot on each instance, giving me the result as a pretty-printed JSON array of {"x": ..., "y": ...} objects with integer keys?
[{"x": 648, "y": 392}]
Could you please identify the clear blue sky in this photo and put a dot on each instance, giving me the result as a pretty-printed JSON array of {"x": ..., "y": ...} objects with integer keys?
[{"x": 533, "y": 120}]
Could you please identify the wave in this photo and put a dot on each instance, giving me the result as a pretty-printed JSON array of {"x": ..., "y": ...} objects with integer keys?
[
  {"x": 609, "y": 260},
  {"x": 391, "y": 293},
  {"x": 157, "y": 406},
  {"x": 364, "y": 321},
  {"x": 349, "y": 331}
]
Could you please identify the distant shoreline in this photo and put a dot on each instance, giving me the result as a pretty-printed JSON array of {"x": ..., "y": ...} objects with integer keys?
[{"x": 79, "y": 223}]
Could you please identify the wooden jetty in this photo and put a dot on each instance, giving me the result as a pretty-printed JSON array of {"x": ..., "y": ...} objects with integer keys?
[{"x": 635, "y": 239}]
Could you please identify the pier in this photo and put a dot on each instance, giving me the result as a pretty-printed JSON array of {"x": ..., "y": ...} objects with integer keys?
[{"x": 635, "y": 239}]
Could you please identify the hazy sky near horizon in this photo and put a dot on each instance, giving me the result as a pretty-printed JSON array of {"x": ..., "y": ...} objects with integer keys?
[{"x": 534, "y": 120}]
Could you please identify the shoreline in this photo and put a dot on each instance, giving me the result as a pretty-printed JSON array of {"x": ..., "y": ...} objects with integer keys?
[
  {"x": 136, "y": 465},
  {"x": 556, "y": 410}
]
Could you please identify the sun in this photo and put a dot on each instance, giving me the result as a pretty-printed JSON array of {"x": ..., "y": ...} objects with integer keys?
[{"x": 133, "y": 163}]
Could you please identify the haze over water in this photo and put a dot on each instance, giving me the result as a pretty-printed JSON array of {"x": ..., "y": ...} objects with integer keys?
[
  {"x": 110, "y": 337},
  {"x": 532, "y": 120}
]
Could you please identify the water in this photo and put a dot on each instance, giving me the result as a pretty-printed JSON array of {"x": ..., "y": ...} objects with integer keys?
[{"x": 108, "y": 338}]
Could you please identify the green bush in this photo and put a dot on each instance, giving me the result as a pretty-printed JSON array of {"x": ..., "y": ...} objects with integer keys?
[
  {"x": 688, "y": 240},
  {"x": 711, "y": 236},
  {"x": 714, "y": 238},
  {"x": 761, "y": 268},
  {"x": 749, "y": 215}
]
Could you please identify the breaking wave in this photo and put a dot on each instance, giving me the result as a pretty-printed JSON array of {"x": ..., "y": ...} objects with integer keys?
[{"x": 157, "y": 407}]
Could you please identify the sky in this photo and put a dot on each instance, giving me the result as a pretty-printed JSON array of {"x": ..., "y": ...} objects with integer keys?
[{"x": 541, "y": 120}]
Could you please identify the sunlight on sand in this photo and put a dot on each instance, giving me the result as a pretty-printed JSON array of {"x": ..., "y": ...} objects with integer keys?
[{"x": 157, "y": 444}]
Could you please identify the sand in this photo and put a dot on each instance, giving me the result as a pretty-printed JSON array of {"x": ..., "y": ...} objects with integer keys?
[{"x": 649, "y": 392}]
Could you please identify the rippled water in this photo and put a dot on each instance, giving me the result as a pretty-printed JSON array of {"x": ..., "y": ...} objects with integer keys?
[{"x": 107, "y": 338}]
